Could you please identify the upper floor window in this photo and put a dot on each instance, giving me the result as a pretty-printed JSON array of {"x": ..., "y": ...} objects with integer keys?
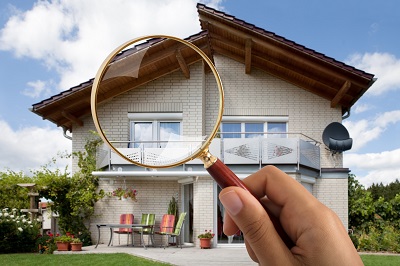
[
  {"x": 253, "y": 127},
  {"x": 150, "y": 130}
]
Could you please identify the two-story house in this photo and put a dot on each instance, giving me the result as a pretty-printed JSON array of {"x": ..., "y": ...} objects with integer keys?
[{"x": 279, "y": 98}]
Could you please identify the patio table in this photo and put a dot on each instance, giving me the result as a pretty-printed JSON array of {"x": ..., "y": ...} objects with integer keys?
[{"x": 133, "y": 226}]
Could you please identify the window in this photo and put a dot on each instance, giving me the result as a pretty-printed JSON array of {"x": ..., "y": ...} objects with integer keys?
[
  {"x": 153, "y": 130},
  {"x": 253, "y": 127}
]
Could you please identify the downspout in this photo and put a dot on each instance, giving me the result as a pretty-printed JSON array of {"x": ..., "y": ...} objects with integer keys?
[{"x": 65, "y": 134}]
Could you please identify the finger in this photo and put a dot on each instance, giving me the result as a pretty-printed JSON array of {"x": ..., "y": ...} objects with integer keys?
[
  {"x": 250, "y": 216},
  {"x": 287, "y": 198},
  {"x": 230, "y": 228},
  {"x": 276, "y": 185},
  {"x": 251, "y": 252}
]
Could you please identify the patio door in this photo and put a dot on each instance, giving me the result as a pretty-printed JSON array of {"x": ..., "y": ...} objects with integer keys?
[{"x": 187, "y": 204}]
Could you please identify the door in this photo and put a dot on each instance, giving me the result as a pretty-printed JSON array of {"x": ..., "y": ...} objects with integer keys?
[{"x": 187, "y": 204}]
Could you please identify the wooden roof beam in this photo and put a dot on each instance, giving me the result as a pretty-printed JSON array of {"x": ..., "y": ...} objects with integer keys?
[
  {"x": 248, "y": 56},
  {"x": 182, "y": 64},
  {"x": 285, "y": 52},
  {"x": 341, "y": 93},
  {"x": 72, "y": 118}
]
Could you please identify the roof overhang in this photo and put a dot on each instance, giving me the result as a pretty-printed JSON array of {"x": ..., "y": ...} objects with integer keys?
[{"x": 226, "y": 35}]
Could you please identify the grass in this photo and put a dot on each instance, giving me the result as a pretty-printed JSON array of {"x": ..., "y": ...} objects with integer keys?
[
  {"x": 35, "y": 259},
  {"x": 378, "y": 260},
  {"x": 74, "y": 259}
]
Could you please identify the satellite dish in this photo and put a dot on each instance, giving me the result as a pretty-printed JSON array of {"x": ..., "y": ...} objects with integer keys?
[{"x": 337, "y": 138}]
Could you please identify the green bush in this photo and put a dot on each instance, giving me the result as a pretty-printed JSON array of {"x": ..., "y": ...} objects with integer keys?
[
  {"x": 17, "y": 233},
  {"x": 384, "y": 238},
  {"x": 46, "y": 244}
]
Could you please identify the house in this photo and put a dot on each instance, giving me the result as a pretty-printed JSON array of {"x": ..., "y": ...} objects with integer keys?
[{"x": 275, "y": 88}]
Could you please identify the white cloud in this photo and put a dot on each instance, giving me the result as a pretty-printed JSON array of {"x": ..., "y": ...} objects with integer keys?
[
  {"x": 378, "y": 167},
  {"x": 29, "y": 148},
  {"x": 386, "y": 68},
  {"x": 36, "y": 89},
  {"x": 366, "y": 130},
  {"x": 361, "y": 108},
  {"x": 72, "y": 37}
]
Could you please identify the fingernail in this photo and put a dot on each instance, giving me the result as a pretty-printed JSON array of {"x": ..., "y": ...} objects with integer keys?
[{"x": 232, "y": 202}]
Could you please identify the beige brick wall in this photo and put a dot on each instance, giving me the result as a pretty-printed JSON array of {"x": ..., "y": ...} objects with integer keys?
[
  {"x": 203, "y": 204},
  {"x": 333, "y": 193}
]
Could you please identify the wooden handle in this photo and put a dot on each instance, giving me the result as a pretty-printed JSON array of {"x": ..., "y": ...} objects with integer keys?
[{"x": 226, "y": 178}]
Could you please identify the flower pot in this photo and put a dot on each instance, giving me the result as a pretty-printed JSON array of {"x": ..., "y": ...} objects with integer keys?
[
  {"x": 76, "y": 246},
  {"x": 205, "y": 243},
  {"x": 63, "y": 246}
]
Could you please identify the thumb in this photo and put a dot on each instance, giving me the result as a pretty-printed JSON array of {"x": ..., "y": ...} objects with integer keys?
[{"x": 252, "y": 219}]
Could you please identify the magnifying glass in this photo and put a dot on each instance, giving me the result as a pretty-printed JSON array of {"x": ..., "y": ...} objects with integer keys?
[{"x": 162, "y": 97}]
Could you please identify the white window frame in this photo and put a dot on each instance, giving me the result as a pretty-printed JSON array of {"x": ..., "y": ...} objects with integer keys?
[
  {"x": 155, "y": 119},
  {"x": 254, "y": 119}
]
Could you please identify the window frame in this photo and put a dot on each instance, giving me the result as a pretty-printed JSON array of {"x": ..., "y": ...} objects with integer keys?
[
  {"x": 243, "y": 120},
  {"x": 156, "y": 119}
]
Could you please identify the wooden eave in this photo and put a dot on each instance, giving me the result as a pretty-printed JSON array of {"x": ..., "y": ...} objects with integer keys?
[
  {"x": 326, "y": 77},
  {"x": 226, "y": 35},
  {"x": 68, "y": 108}
]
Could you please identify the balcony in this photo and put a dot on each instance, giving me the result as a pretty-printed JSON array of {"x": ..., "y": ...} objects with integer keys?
[{"x": 292, "y": 149}]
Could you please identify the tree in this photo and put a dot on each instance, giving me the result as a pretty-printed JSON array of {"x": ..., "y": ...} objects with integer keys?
[
  {"x": 73, "y": 198},
  {"x": 12, "y": 195}
]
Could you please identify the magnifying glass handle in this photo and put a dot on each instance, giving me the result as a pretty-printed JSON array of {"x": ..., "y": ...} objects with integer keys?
[{"x": 225, "y": 178}]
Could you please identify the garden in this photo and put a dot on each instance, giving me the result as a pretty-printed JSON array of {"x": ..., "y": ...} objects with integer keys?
[{"x": 374, "y": 214}]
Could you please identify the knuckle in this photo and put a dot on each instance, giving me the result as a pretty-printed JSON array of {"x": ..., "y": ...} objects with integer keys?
[{"x": 255, "y": 231}]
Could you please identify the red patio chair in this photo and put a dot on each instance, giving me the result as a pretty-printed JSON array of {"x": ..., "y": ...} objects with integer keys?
[
  {"x": 166, "y": 226},
  {"x": 126, "y": 218}
]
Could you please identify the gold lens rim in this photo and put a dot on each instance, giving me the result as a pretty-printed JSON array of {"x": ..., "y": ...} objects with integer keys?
[{"x": 101, "y": 72}]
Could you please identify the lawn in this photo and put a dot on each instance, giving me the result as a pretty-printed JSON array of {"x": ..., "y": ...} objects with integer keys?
[
  {"x": 74, "y": 259},
  {"x": 378, "y": 260}
]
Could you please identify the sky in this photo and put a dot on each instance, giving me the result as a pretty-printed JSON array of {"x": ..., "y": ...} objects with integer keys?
[{"x": 49, "y": 46}]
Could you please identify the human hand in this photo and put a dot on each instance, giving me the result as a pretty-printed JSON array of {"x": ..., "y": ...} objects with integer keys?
[{"x": 319, "y": 236}]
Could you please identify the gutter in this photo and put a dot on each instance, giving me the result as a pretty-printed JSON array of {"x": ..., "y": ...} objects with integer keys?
[
  {"x": 156, "y": 173},
  {"x": 150, "y": 173},
  {"x": 65, "y": 134},
  {"x": 347, "y": 115}
]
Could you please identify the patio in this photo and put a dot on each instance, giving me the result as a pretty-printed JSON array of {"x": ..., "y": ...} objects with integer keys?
[{"x": 188, "y": 255}]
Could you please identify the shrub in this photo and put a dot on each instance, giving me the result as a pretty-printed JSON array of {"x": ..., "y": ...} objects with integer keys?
[
  {"x": 46, "y": 244},
  {"x": 17, "y": 233},
  {"x": 383, "y": 238}
]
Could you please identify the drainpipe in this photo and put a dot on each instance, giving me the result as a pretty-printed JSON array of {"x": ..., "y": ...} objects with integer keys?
[
  {"x": 65, "y": 134},
  {"x": 347, "y": 115}
]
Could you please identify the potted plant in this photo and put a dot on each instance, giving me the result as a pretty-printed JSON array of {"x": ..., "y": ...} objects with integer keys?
[
  {"x": 63, "y": 242},
  {"x": 205, "y": 239},
  {"x": 76, "y": 244},
  {"x": 124, "y": 193},
  {"x": 172, "y": 211}
]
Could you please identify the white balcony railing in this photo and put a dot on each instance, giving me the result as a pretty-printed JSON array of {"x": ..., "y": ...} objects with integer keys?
[{"x": 299, "y": 150}]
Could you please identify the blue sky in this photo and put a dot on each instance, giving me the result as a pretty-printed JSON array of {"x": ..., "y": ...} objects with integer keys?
[{"x": 50, "y": 46}]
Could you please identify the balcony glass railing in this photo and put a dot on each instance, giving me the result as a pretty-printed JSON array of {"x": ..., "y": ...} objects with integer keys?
[{"x": 277, "y": 148}]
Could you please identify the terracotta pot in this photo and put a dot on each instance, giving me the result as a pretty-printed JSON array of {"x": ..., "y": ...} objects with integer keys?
[
  {"x": 76, "y": 246},
  {"x": 205, "y": 243},
  {"x": 63, "y": 246}
]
